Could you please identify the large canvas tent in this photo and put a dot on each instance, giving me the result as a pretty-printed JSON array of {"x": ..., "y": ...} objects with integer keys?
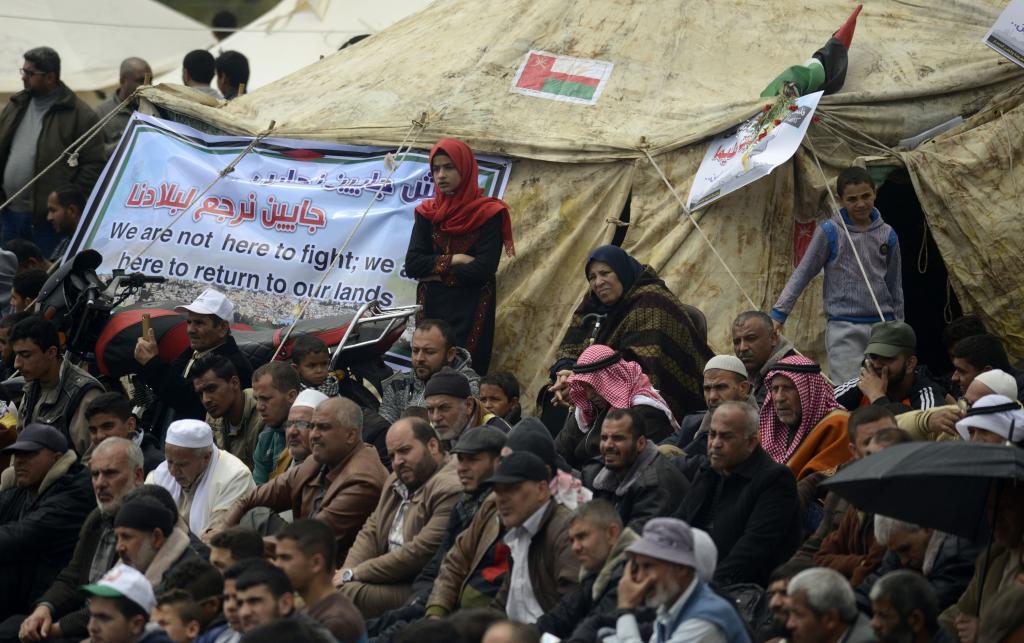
[
  {"x": 682, "y": 73},
  {"x": 296, "y": 33},
  {"x": 93, "y": 38}
]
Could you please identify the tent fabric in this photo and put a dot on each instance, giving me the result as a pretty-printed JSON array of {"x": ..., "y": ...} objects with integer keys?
[
  {"x": 970, "y": 182},
  {"x": 296, "y": 33},
  {"x": 683, "y": 72},
  {"x": 91, "y": 55}
]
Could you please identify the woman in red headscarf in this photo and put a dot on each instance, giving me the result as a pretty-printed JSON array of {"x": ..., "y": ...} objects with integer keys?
[{"x": 455, "y": 248}]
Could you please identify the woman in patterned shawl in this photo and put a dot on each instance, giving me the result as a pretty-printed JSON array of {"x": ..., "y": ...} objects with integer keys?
[{"x": 629, "y": 309}]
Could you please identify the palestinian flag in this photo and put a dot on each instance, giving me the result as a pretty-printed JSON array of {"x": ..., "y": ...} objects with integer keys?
[{"x": 563, "y": 78}]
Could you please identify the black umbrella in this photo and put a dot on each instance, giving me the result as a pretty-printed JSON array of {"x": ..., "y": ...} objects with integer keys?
[{"x": 943, "y": 485}]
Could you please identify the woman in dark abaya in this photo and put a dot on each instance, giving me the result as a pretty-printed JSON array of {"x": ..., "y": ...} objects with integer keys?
[{"x": 455, "y": 248}]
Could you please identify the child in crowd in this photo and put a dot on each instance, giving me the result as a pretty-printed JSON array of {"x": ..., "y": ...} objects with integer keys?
[
  {"x": 848, "y": 304},
  {"x": 311, "y": 359},
  {"x": 177, "y": 614},
  {"x": 25, "y": 288},
  {"x": 499, "y": 394}
]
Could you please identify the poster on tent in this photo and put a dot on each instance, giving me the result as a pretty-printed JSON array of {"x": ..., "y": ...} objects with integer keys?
[
  {"x": 1007, "y": 34},
  {"x": 266, "y": 233},
  {"x": 750, "y": 151}
]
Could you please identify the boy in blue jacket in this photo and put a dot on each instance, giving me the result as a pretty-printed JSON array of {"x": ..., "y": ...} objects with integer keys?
[{"x": 848, "y": 303}]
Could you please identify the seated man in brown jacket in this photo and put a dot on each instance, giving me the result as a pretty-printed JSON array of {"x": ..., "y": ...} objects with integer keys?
[
  {"x": 402, "y": 534},
  {"x": 527, "y": 549},
  {"x": 339, "y": 484}
]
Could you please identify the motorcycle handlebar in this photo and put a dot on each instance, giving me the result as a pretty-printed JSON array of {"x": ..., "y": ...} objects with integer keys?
[{"x": 140, "y": 279}]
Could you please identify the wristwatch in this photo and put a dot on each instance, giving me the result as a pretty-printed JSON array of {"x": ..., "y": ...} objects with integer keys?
[{"x": 347, "y": 575}]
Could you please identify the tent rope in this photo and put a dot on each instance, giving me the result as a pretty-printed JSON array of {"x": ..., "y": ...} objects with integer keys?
[
  {"x": 922, "y": 253},
  {"x": 846, "y": 229},
  {"x": 76, "y": 145},
  {"x": 693, "y": 220},
  {"x": 417, "y": 126},
  {"x": 1009, "y": 155},
  {"x": 696, "y": 225},
  {"x": 263, "y": 28},
  {"x": 228, "y": 169}
]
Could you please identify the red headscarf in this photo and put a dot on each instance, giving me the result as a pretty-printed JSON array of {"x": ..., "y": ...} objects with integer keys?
[
  {"x": 467, "y": 209},
  {"x": 620, "y": 384},
  {"x": 816, "y": 401}
]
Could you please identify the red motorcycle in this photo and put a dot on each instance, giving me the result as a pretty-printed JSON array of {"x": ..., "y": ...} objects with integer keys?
[{"x": 101, "y": 334}]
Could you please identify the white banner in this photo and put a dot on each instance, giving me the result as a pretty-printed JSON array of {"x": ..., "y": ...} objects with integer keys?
[
  {"x": 1007, "y": 34},
  {"x": 266, "y": 232},
  {"x": 752, "y": 150}
]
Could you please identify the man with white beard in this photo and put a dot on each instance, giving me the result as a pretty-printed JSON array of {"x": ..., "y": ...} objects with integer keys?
[
  {"x": 661, "y": 574},
  {"x": 116, "y": 466}
]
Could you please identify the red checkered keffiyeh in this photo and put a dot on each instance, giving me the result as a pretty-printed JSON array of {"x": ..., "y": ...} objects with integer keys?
[
  {"x": 816, "y": 401},
  {"x": 622, "y": 384}
]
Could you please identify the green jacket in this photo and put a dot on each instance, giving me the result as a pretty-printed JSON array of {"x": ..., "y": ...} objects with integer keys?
[
  {"x": 269, "y": 446},
  {"x": 241, "y": 444},
  {"x": 68, "y": 119}
]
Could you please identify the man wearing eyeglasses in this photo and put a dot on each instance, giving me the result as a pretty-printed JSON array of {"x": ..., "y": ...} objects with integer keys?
[
  {"x": 134, "y": 73},
  {"x": 339, "y": 483},
  {"x": 36, "y": 127}
]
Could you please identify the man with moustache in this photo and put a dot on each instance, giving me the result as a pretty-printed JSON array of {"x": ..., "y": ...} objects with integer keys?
[
  {"x": 405, "y": 529},
  {"x": 116, "y": 468},
  {"x": 296, "y": 431},
  {"x": 433, "y": 348},
  {"x": 208, "y": 321},
  {"x": 660, "y": 574},
  {"x": 44, "y": 498},
  {"x": 338, "y": 484},
  {"x": 744, "y": 500}
]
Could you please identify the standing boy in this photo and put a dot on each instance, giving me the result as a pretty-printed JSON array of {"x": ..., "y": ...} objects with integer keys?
[{"x": 848, "y": 303}]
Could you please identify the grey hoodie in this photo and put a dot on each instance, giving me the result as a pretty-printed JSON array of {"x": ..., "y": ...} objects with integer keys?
[
  {"x": 845, "y": 294},
  {"x": 403, "y": 390}
]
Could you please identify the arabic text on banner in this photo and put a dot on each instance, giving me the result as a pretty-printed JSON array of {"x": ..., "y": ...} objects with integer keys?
[
  {"x": 266, "y": 233},
  {"x": 745, "y": 154}
]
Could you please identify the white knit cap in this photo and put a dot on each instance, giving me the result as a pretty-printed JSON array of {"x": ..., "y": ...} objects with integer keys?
[
  {"x": 309, "y": 399},
  {"x": 706, "y": 553},
  {"x": 999, "y": 422},
  {"x": 190, "y": 434},
  {"x": 726, "y": 363},
  {"x": 1001, "y": 382}
]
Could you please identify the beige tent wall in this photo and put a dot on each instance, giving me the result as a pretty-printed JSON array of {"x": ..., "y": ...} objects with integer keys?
[
  {"x": 561, "y": 212},
  {"x": 683, "y": 72},
  {"x": 970, "y": 182}
]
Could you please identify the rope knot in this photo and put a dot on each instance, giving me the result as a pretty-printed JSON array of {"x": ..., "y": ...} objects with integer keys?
[{"x": 73, "y": 159}]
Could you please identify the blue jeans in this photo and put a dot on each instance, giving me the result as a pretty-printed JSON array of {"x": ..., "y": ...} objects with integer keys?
[{"x": 18, "y": 225}]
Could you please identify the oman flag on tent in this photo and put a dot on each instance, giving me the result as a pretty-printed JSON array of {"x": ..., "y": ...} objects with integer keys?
[{"x": 562, "y": 78}]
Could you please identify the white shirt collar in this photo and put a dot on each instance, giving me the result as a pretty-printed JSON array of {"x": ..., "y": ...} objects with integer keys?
[
  {"x": 666, "y": 616},
  {"x": 531, "y": 525}
]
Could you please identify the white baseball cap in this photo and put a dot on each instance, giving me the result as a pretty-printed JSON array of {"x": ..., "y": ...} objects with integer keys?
[
  {"x": 190, "y": 434},
  {"x": 996, "y": 414},
  {"x": 124, "y": 581},
  {"x": 210, "y": 302}
]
